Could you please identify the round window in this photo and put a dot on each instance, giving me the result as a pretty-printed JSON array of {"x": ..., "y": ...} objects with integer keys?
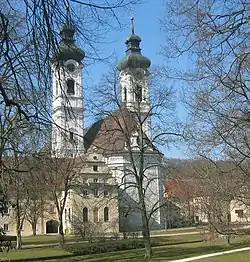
[{"x": 71, "y": 67}]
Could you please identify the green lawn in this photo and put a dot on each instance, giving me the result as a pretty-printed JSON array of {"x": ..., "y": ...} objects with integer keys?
[
  {"x": 235, "y": 257},
  {"x": 177, "y": 230},
  {"x": 53, "y": 239},
  {"x": 162, "y": 253},
  {"x": 47, "y": 239},
  {"x": 36, "y": 252}
]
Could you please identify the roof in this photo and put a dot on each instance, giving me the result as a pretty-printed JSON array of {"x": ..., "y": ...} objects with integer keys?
[
  {"x": 133, "y": 58},
  {"x": 194, "y": 178},
  {"x": 179, "y": 188},
  {"x": 110, "y": 135},
  {"x": 67, "y": 48}
]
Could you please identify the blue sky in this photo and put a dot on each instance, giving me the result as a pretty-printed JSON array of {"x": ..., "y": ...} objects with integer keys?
[{"x": 147, "y": 26}]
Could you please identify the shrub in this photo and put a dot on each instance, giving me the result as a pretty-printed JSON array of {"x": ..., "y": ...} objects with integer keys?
[{"x": 104, "y": 247}]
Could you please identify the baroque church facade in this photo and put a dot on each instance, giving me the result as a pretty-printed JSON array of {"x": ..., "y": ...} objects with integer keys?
[{"x": 111, "y": 136}]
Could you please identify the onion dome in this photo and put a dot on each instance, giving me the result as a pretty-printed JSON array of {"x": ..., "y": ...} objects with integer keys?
[
  {"x": 133, "y": 58},
  {"x": 67, "y": 48}
]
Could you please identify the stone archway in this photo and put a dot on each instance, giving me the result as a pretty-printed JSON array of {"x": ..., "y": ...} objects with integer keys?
[{"x": 52, "y": 226}]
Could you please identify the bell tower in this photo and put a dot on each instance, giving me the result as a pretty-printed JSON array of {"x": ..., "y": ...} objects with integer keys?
[
  {"x": 67, "y": 103},
  {"x": 134, "y": 80}
]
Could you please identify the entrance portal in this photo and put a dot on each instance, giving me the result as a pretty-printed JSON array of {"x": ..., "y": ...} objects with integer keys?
[{"x": 52, "y": 226}]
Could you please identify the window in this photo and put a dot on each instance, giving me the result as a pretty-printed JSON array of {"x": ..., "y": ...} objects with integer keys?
[
  {"x": 65, "y": 211},
  {"x": 106, "y": 214},
  {"x": 6, "y": 211},
  {"x": 85, "y": 214},
  {"x": 138, "y": 93},
  {"x": 6, "y": 227},
  {"x": 144, "y": 95},
  {"x": 69, "y": 215},
  {"x": 56, "y": 88},
  {"x": 85, "y": 193},
  {"x": 52, "y": 209},
  {"x": 70, "y": 87},
  {"x": 96, "y": 192},
  {"x": 71, "y": 67},
  {"x": 239, "y": 213},
  {"x": 95, "y": 157},
  {"x": 71, "y": 135},
  {"x": 96, "y": 219},
  {"x": 95, "y": 180},
  {"x": 106, "y": 193},
  {"x": 95, "y": 168},
  {"x": 125, "y": 94}
]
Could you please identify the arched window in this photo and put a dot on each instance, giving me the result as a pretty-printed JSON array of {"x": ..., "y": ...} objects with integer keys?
[
  {"x": 71, "y": 136},
  {"x": 96, "y": 219},
  {"x": 65, "y": 212},
  {"x": 85, "y": 214},
  {"x": 125, "y": 94},
  {"x": 106, "y": 214},
  {"x": 138, "y": 93},
  {"x": 70, "y": 87},
  {"x": 69, "y": 216},
  {"x": 56, "y": 88}
]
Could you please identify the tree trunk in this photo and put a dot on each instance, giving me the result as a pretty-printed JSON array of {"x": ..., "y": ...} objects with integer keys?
[
  {"x": 228, "y": 228},
  {"x": 18, "y": 227},
  {"x": 147, "y": 243},
  {"x": 228, "y": 239},
  {"x": 61, "y": 233},
  {"x": 18, "y": 239},
  {"x": 33, "y": 229},
  {"x": 124, "y": 235},
  {"x": 145, "y": 228}
]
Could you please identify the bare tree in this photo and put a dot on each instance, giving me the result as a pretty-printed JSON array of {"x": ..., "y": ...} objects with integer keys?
[
  {"x": 29, "y": 39},
  {"x": 36, "y": 192},
  {"x": 127, "y": 132},
  {"x": 58, "y": 175},
  {"x": 213, "y": 37},
  {"x": 220, "y": 187},
  {"x": 15, "y": 181}
]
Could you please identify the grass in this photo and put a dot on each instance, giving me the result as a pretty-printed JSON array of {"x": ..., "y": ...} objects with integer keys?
[
  {"x": 239, "y": 257},
  {"x": 170, "y": 240},
  {"x": 170, "y": 251},
  {"x": 50, "y": 239},
  {"x": 36, "y": 253},
  {"x": 163, "y": 253},
  {"x": 176, "y": 231},
  {"x": 47, "y": 239}
]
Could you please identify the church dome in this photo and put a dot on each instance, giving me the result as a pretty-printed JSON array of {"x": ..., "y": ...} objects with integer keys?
[
  {"x": 133, "y": 58},
  {"x": 67, "y": 48}
]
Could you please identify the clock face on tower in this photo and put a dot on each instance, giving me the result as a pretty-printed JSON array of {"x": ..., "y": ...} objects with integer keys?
[{"x": 71, "y": 67}]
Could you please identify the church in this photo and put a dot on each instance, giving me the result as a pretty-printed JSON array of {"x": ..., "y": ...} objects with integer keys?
[
  {"x": 118, "y": 148},
  {"x": 117, "y": 135}
]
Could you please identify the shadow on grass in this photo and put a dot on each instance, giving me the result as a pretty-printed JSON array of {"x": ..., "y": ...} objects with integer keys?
[{"x": 162, "y": 253}]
